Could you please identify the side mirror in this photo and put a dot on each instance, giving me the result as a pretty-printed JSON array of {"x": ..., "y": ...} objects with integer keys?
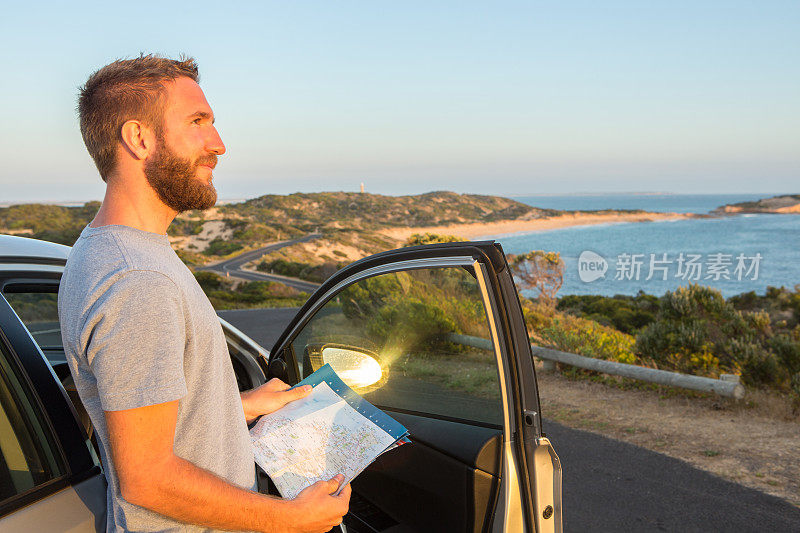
[{"x": 359, "y": 368}]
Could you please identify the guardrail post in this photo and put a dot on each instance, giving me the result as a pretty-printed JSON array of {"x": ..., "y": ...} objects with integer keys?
[{"x": 549, "y": 366}]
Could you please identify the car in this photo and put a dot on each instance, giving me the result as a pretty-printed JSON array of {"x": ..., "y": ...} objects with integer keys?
[{"x": 479, "y": 459}]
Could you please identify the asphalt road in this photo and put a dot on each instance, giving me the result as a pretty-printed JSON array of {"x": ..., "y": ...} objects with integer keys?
[
  {"x": 233, "y": 266},
  {"x": 610, "y": 485},
  {"x": 262, "y": 325}
]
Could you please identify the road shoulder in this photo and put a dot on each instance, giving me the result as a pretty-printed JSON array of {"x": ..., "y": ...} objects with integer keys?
[{"x": 729, "y": 439}]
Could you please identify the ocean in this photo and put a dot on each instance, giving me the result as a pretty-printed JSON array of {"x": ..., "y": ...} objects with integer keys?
[
  {"x": 734, "y": 254},
  {"x": 659, "y": 202}
]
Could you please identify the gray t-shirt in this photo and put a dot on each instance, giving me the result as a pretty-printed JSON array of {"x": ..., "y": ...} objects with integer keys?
[{"x": 138, "y": 330}]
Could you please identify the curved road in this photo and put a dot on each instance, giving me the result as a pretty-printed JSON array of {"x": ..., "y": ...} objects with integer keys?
[
  {"x": 234, "y": 266},
  {"x": 610, "y": 485}
]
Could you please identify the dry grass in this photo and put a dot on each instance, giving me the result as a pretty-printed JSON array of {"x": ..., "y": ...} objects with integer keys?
[{"x": 755, "y": 442}]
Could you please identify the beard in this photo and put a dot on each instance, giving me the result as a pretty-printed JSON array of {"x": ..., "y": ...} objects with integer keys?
[{"x": 174, "y": 180}]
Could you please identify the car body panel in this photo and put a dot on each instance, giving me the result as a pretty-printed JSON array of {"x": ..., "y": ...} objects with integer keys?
[
  {"x": 15, "y": 249},
  {"x": 78, "y": 508},
  {"x": 501, "y": 471}
]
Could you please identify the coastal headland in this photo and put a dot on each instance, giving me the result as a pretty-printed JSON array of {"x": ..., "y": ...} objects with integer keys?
[
  {"x": 351, "y": 225},
  {"x": 786, "y": 204}
]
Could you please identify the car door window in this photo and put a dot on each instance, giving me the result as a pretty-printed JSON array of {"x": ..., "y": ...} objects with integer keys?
[
  {"x": 39, "y": 312},
  {"x": 28, "y": 455},
  {"x": 409, "y": 321}
]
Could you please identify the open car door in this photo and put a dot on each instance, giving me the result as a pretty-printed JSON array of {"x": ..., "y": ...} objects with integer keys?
[{"x": 445, "y": 324}]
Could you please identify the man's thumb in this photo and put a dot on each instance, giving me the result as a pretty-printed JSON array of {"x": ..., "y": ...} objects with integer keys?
[
  {"x": 297, "y": 393},
  {"x": 333, "y": 483}
]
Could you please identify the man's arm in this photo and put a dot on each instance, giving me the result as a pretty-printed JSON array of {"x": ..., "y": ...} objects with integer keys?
[{"x": 153, "y": 477}]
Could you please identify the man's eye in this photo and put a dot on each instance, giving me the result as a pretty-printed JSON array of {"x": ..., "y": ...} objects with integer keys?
[{"x": 197, "y": 120}]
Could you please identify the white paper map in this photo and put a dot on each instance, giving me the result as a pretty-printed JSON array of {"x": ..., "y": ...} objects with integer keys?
[{"x": 315, "y": 439}]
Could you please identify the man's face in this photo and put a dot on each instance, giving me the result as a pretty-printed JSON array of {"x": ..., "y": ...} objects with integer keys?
[{"x": 186, "y": 152}]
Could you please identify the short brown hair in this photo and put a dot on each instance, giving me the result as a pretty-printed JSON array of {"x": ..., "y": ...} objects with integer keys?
[{"x": 127, "y": 89}]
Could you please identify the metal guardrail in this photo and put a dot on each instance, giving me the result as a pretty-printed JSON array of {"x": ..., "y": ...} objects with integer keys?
[{"x": 729, "y": 389}]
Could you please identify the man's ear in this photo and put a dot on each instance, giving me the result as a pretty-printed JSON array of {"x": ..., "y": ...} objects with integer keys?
[{"x": 138, "y": 139}]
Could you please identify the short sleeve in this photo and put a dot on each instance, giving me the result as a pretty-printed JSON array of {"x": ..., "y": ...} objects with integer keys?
[{"x": 136, "y": 343}]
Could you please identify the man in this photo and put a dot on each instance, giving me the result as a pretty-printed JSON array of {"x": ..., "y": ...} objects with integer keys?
[{"x": 143, "y": 343}]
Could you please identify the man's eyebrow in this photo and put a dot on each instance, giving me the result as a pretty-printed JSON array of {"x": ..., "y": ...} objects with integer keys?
[{"x": 203, "y": 114}]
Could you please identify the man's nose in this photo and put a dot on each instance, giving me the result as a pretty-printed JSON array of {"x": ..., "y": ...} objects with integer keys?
[{"x": 214, "y": 143}]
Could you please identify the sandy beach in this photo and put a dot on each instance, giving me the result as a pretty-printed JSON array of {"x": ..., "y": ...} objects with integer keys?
[{"x": 484, "y": 229}]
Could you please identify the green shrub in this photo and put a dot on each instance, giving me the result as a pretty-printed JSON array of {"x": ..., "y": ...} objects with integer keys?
[
  {"x": 760, "y": 367},
  {"x": 223, "y": 295},
  {"x": 49, "y": 222},
  {"x": 787, "y": 351},
  {"x": 411, "y": 323},
  {"x": 697, "y": 331},
  {"x": 699, "y": 362},
  {"x": 66, "y": 236},
  {"x": 625, "y": 313},
  {"x": 572, "y": 334},
  {"x": 293, "y": 269},
  {"x": 185, "y": 227},
  {"x": 782, "y": 305},
  {"x": 209, "y": 281},
  {"x": 251, "y": 232},
  {"x": 416, "y": 309},
  {"x": 282, "y": 267},
  {"x": 256, "y": 294},
  {"x": 419, "y": 239},
  {"x": 222, "y": 247},
  {"x": 364, "y": 299}
]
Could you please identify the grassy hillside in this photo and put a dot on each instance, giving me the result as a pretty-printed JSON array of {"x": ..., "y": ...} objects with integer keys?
[
  {"x": 47, "y": 222},
  {"x": 342, "y": 210}
]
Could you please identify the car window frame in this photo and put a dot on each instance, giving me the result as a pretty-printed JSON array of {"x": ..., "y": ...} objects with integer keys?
[
  {"x": 42, "y": 489},
  {"x": 58, "y": 416}
]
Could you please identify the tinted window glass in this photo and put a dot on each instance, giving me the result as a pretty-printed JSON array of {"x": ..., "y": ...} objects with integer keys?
[
  {"x": 39, "y": 312},
  {"x": 406, "y": 320},
  {"x": 28, "y": 457}
]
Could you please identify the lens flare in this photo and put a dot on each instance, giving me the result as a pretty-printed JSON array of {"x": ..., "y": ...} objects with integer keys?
[{"x": 356, "y": 369}]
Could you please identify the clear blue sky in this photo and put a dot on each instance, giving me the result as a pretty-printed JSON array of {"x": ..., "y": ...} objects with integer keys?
[{"x": 508, "y": 98}]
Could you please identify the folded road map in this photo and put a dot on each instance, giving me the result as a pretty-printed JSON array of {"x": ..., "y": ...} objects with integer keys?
[{"x": 331, "y": 431}]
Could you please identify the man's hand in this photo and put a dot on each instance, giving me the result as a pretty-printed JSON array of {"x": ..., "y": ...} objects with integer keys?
[
  {"x": 317, "y": 509},
  {"x": 152, "y": 476},
  {"x": 270, "y": 397}
]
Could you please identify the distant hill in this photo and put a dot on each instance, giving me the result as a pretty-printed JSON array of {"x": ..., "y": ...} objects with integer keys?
[
  {"x": 46, "y": 221},
  {"x": 789, "y": 203},
  {"x": 344, "y": 210}
]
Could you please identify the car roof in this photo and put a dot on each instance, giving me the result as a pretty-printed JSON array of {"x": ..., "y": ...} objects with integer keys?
[{"x": 24, "y": 250}]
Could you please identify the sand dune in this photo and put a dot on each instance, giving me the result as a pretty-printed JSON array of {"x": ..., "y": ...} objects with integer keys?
[{"x": 477, "y": 230}]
